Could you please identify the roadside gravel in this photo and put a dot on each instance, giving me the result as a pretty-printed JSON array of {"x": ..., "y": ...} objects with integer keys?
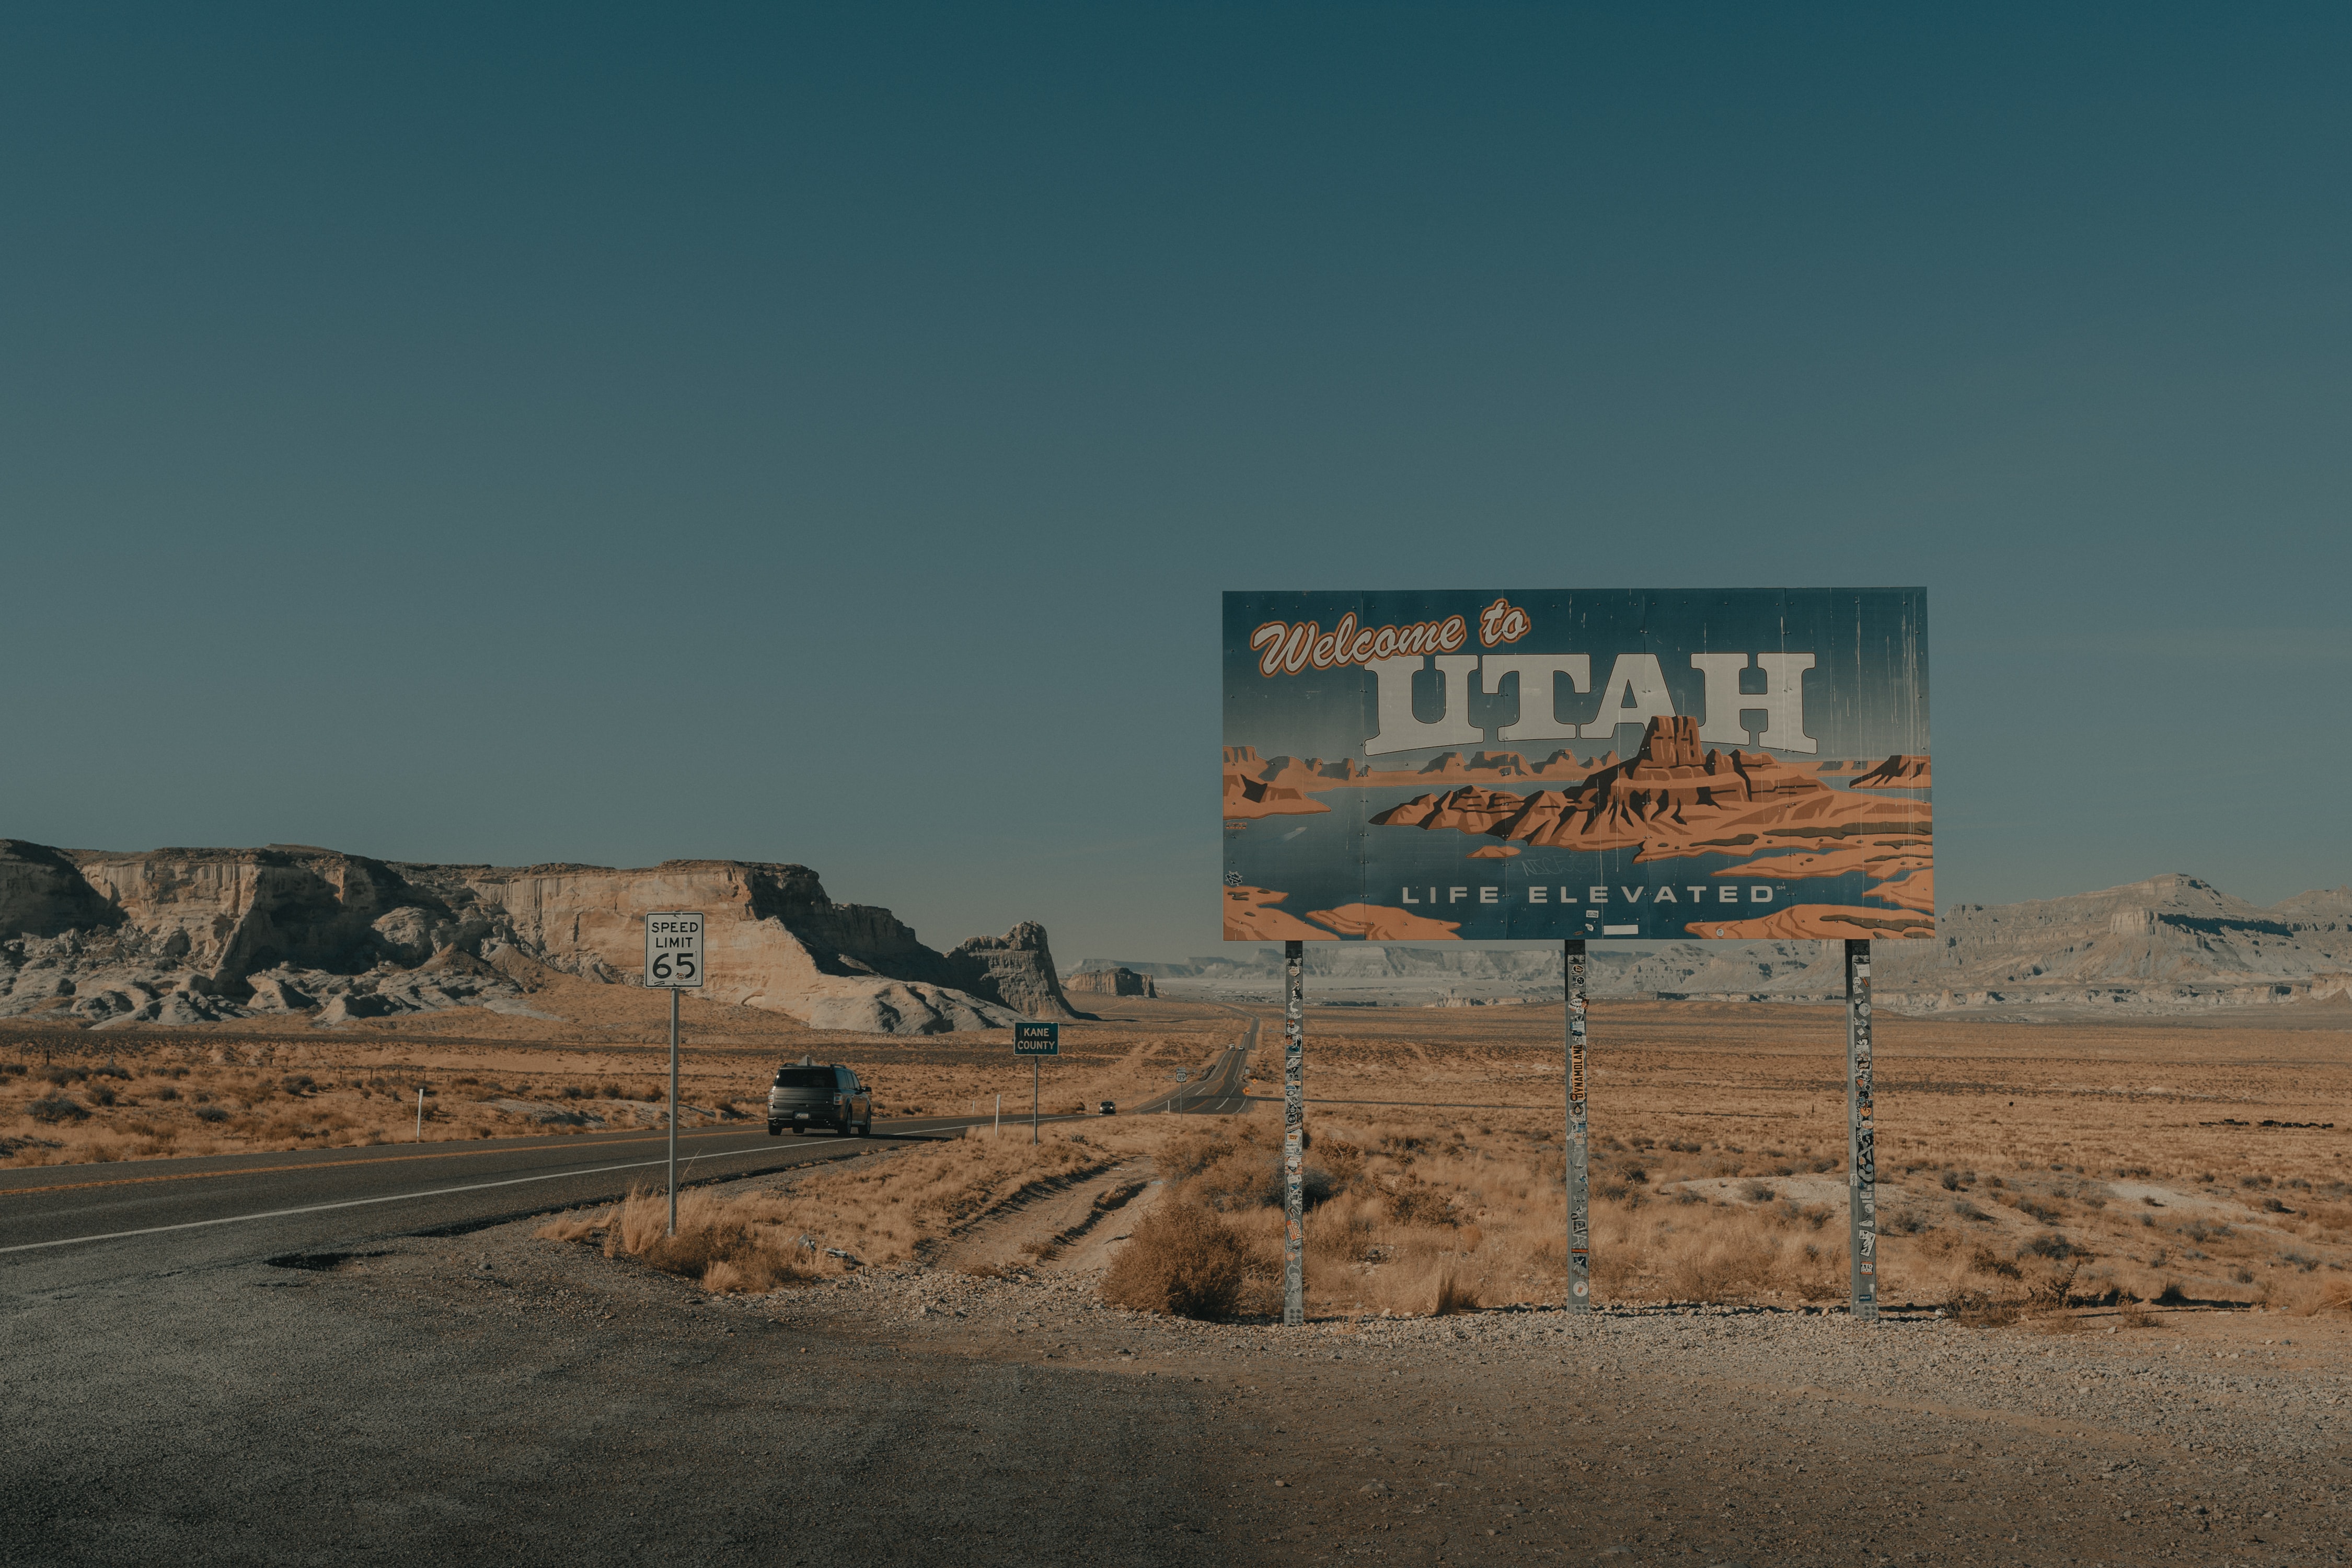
[{"x": 495, "y": 1397}]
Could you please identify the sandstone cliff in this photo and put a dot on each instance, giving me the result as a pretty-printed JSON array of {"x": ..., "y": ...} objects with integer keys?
[
  {"x": 1016, "y": 969},
  {"x": 187, "y": 935}
]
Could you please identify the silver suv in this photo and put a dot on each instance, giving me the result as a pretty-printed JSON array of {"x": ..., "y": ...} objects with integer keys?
[{"x": 805, "y": 1095}]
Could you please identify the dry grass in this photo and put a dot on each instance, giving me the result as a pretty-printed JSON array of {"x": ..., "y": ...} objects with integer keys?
[
  {"x": 2023, "y": 1168},
  {"x": 2120, "y": 1163},
  {"x": 860, "y": 1214},
  {"x": 230, "y": 1087}
]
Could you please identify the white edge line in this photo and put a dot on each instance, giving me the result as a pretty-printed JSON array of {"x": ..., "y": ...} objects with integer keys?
[
  {"x": 393, "y": 1198},
  {"x": 357, "y": 1203}
]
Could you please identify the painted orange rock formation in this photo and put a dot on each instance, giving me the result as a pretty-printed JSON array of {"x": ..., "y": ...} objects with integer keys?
[
  {"x": 1673, "y": 798},
  {"x": 1247, "y": 795},
  {"x": 1381, "y": 923},
  {"x": 1916, "y": 891},
  {"x": 1251, "y": 917},
  {"x": 1811, "y": 921},
  {"x": 1306, "y": 774},
  {"x": 1493, "y": 852}
]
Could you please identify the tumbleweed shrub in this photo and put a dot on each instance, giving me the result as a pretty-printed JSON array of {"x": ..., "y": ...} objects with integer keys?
[
  {"x": 1182, "y": 1259},
  {"x": 861, "y": 1213}
]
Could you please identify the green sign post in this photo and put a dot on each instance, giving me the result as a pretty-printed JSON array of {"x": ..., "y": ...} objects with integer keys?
[{"x": 1035, "y": 1040}]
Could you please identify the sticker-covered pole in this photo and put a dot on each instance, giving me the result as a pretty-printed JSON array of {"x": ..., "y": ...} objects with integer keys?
[
  {"x": 1862, "y": 1137},
  {"x": 1580, "y": 1188},
  {"x": 673, "y": 1111},
  {"x": 1036, "y": 1067},
  {"x": 1293, "y": 1134}
]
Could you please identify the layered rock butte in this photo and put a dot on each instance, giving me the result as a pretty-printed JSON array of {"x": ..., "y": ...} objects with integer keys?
[
  {"x": 1118, "y": 981},
  {"x": 184, "y": 936}
]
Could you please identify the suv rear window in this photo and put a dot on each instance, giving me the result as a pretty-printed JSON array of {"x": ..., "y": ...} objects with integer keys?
[{"x": 805, "y": 1077}]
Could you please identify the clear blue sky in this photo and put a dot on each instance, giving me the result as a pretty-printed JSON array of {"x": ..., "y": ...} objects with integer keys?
[{"x": 822, "y": 434}]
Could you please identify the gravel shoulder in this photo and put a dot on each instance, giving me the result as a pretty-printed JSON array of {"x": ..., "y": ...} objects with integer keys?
[{"x": 497, "y": 1396}]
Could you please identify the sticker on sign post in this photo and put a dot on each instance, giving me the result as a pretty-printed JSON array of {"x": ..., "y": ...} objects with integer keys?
[{"x": 674, "y": 950}]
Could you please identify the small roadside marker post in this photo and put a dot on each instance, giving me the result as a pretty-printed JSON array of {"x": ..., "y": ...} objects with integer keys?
[
  {"x": 674, "y": 961},
  {"x": 420, "y": 1113},
  {"x": 1579, "y": 1186},
  {"x": 1861, "y": 1135},
  {"x": 1034, "y": 1041}
]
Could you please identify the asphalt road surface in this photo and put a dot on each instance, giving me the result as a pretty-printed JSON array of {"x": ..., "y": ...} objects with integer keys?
[
  {"x": 288, "y": 1199},
  {"x": 426, "y": 1188},
  {"x": 185, "y": 1392}
]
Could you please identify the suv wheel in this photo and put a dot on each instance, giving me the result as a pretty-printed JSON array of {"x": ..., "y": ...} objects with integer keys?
[
  {"x": 865, "y": 1128},
  {"x": 841, "y": 1128},
  {"x": 774, "y": 1130}
]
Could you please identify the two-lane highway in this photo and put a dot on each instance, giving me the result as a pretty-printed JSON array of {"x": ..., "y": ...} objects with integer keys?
[
  {"x": 443, "y": 1187},
  {"x": 303, "y": 1198}
]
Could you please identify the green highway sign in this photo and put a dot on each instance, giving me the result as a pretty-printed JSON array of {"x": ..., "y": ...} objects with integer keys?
[{"x": 1037, "y": 1040}]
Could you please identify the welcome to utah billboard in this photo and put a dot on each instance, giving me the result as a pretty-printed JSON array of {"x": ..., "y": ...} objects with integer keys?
[{"x": 1512, "y": 762}]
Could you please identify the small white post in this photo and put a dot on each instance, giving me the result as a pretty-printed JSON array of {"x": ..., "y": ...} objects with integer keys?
[
  {"x": 1000, "y": 1115},
  {"x": 420, "y": 1113}
]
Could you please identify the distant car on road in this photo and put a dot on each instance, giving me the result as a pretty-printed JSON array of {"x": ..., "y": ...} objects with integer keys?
[
  {"x": 806, "y": 1095},
  {"x": 1110, "y": 1108}
]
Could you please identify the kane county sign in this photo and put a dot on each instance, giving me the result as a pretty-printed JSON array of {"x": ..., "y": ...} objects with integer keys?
[{"x": 1426, "y": 766}]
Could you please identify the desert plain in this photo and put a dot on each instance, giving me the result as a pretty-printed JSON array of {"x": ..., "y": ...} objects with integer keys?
[{"x": 2113, "y": 1269}]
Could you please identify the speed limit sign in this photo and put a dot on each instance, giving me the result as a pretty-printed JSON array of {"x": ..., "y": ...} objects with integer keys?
[{"x": 674, "y": 948}]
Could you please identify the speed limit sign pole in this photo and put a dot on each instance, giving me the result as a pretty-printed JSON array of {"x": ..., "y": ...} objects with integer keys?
[{"x": 674, "y": 961}]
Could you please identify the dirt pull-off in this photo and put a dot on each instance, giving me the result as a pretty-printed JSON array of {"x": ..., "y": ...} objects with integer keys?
[{"x": 1060, "y": 1227}]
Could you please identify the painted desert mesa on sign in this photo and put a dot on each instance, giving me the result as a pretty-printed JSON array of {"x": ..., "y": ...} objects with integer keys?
[
  {"x": 1774, "y": 777},
  {"x": 1673, "y": 800},
  {"x": 1250, "y": 916}
]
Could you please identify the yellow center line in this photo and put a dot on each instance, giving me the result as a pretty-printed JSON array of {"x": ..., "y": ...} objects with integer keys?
[{"x": 327, "y": 1165}]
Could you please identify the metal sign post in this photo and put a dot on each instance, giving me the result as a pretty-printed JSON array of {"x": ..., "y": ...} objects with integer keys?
[
  {"x": 1861, "y": 1135},
  {"x": 1580, "y": 1186},
  {"x": 1293, "y": 1134},
  {"x": 1035, "y": 1040},
  {"x": 674, "y": 961}
]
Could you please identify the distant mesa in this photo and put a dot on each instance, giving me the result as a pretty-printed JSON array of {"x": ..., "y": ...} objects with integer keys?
[
  {"x": 1381, "y": 923},
  {"x": 1901, "y": 771},
  {"x": 1118, "y": 982},
  {"x": 1493, "y": 852}
]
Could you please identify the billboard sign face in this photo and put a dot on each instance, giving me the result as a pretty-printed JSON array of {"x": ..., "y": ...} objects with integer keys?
[{"x": 1448, "y": 766}]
